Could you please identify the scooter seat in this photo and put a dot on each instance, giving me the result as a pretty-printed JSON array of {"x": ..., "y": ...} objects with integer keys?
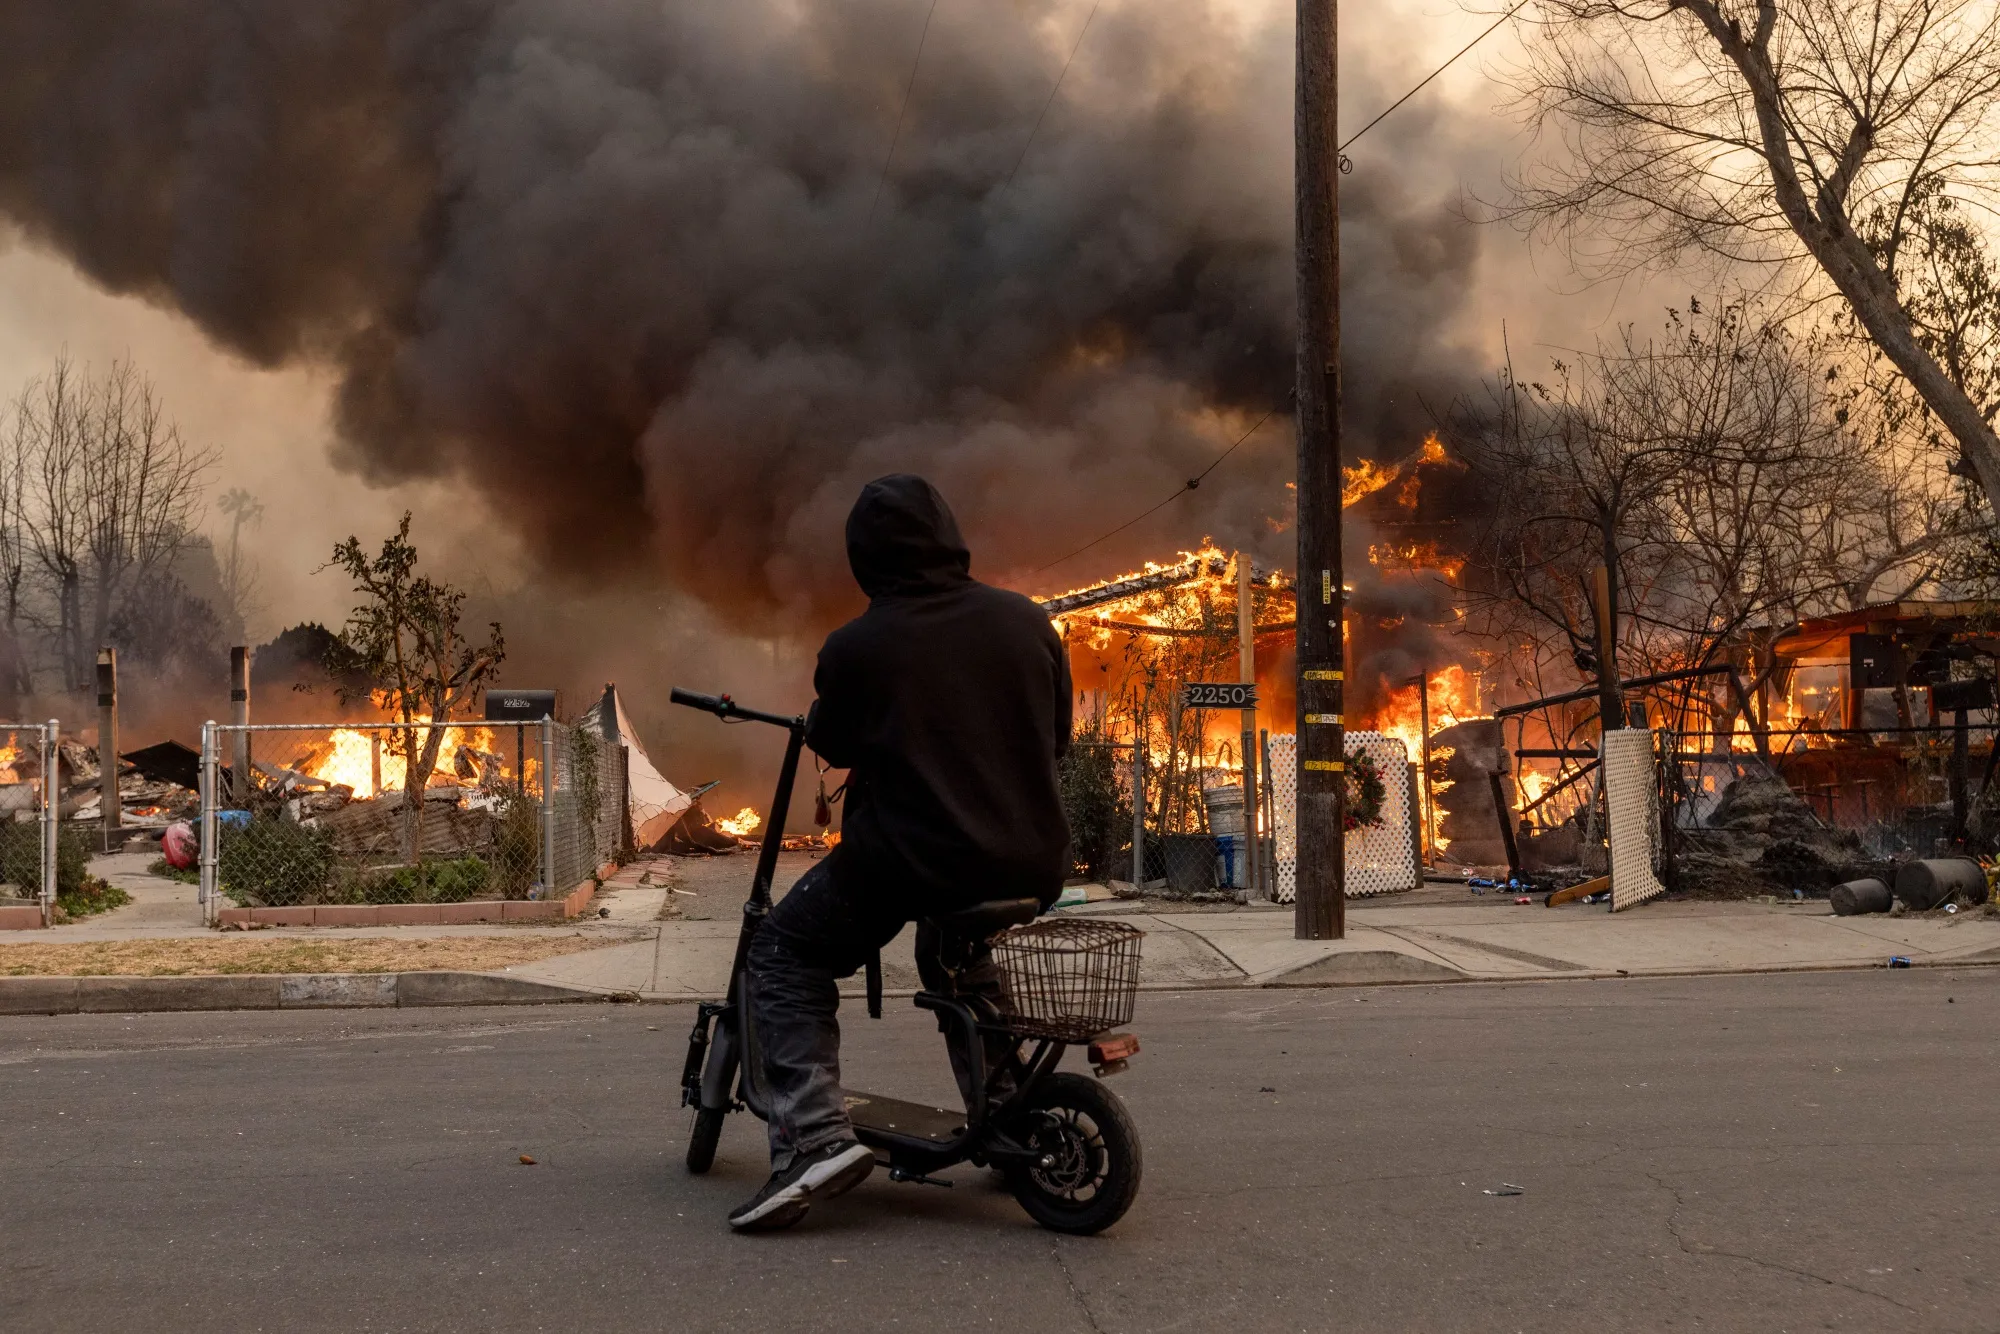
[{"x": 984, "y": 920}]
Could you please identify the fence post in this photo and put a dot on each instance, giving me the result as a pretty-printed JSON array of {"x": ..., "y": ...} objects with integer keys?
[
  {"x": 206, "y": 895},
  {"x": 1416, "y": 830},
  {"x": 239, "y": 702},
  {"x": 51, "y": 812},
  {"x": 107, "y": 747},
  {"x": 1138, "y": 813},
  {"x": 627, "y": 840},
  {"x": 549, "y": 890}
]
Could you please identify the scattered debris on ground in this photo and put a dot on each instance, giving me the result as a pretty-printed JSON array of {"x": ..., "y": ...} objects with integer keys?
[{"x": 1763, "y": 838}]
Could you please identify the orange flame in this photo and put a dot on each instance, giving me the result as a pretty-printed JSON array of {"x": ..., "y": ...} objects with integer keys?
[
  {"x": 1367, "y": 477},
  {"x": 350, "y": 759},
  {"x": 1454, "y": 697},
  {"x": 743, "y": 824}
]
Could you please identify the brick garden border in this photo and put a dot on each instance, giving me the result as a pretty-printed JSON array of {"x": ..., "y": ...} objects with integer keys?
[{"x": 417, "y": 914}]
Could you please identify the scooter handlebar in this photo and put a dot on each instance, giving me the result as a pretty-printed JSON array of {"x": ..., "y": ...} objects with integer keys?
[
  {"x": 722, "y": 706},
  {"x": 719, "y": 705}
]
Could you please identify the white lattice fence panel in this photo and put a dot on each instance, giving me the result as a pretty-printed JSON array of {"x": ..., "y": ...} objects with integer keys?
[
  {"x": 1285, "y": 815},
  {"x": 1632, "y": 816},
  {"x": 1381, "y": 859}
]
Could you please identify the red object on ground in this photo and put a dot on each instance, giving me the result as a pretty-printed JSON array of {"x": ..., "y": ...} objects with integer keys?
[
  {"x": 178, "y": 847},
  {"x": 1522, "y": 899}
]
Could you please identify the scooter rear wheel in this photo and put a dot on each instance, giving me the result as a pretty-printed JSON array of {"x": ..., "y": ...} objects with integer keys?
[
  {"x": 1088, "y": 1170},
  {"x": 704, "y": 1133}
]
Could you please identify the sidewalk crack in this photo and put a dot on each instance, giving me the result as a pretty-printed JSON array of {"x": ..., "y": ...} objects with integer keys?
[{"x": 1701, "y": 1251}]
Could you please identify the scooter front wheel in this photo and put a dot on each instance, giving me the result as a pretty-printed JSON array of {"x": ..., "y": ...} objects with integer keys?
[
  {"x": 704, "y": 1133},
  {"x": 1087, "y": 1166}
]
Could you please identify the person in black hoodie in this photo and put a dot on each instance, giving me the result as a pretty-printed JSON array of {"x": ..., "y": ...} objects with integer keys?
[{"x": 948, "y": 702}]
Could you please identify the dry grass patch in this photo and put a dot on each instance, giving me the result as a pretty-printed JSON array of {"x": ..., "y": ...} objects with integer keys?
[{"x": 208, "y": 956}]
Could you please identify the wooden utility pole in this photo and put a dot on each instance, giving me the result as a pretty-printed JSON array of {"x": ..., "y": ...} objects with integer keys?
[
  {"x": 1610, "y": 692},
  {"x": 1246, "y": 644},
  {"x": 1322, "y": 741}
]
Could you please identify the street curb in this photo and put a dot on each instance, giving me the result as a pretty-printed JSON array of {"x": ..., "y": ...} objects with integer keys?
[
  {"x": 1279, "y": 982},
  {"x": 276, "y": 991},
  {"x": 346, "y": 991}
]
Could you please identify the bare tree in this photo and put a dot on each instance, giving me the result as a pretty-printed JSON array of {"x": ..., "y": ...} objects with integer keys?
[
  {"x": 1844, "y": 132},
  {"x": 1891, "y": 518},
  {"x": 404, "y": 638},
  {"x": 239, "y": 579},
  {"x": 1711, "y": 470},
  {"x": 17, "y": 445},
  {"x": 112, "y": 491}
]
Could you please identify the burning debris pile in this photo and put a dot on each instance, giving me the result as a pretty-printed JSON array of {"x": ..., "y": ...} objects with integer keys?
[
  {"x": 1762, "y": 837},
  {"x": 699, "y": 834},
  {"x": 350, "y": 784}
]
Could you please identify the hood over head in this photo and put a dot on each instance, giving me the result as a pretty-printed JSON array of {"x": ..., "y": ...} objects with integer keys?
[{"x": 902, "y": 539}]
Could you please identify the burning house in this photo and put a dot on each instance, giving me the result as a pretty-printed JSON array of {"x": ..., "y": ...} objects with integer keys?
[{"x": 1136, "y": 639}]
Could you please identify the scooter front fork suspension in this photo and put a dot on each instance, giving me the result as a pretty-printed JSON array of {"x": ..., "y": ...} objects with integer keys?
[{"x": 704, "y": 1022}]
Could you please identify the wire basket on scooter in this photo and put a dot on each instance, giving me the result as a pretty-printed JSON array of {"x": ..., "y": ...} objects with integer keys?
[{"x": 1069, "y": 980}]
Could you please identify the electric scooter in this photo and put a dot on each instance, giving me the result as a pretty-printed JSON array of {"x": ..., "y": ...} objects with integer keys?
[{"x": 1064, "y": 1142}]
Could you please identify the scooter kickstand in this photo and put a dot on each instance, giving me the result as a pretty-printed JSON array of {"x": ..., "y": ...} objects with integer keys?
[{"x": 904, "y": 1174}]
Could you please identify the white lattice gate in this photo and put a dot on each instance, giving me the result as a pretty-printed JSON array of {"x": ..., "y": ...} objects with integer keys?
[
  {"x": 1381, "y": 859},
  {"x": 1632, "y": 816}
]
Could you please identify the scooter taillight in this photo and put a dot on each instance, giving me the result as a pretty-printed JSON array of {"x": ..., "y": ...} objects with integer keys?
[{"x": 1109, "y": 1054}]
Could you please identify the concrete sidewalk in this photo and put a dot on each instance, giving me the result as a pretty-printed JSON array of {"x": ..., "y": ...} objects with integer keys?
[
  {"x": 1482, "y": 940},
  {"x": 675, "y": 921}
]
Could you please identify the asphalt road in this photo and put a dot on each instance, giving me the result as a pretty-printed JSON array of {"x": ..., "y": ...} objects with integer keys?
[{"x": 1772, "y": 1153}]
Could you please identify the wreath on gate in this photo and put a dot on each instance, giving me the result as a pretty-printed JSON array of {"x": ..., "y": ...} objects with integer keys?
[{"x": 1365, "y": 791}]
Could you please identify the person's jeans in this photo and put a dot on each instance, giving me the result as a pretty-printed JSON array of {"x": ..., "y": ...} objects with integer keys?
[{"x": 826, "y": 928}]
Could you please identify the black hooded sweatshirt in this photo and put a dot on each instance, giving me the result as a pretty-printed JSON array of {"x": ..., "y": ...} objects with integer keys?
[{"x": 949, "y": 702}]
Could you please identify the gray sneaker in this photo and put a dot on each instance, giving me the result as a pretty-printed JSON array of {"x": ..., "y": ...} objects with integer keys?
[{"x": 833, "y": 1170}]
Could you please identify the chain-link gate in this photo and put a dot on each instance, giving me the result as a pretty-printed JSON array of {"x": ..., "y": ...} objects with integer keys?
[
  {"x": 318, "y": 814},
  {"x": 30, "y": 783}
]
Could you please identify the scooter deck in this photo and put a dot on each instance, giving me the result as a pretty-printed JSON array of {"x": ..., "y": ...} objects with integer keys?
[{"x": 909, "y": 1120}]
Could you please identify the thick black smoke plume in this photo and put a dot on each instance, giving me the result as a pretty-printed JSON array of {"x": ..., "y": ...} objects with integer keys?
[{"x": 635, "y": 271}]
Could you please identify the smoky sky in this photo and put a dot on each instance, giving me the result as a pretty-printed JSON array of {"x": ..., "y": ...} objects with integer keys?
[{"x": 635, "y": 272}]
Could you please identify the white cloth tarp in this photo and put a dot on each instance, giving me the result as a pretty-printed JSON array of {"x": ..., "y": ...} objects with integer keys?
[{"x": 655, "y": 803}]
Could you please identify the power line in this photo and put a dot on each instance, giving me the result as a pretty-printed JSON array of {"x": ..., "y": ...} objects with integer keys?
[
  {"x": 1185, "y": 487},
  {"x": 1523, "y": 4},
  {"x": 903, "y": 110},
  {"x": 1078, "y": 46}
]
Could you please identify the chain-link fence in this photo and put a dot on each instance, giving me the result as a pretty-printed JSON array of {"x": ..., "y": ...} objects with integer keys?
[
  {"x": 297, "y": 815},
  {"x": 1191, "y": 828},
  {"x": 584, "y": 820},
  {"x": 1799, "y": 817},
  {"x": 30, "y": 784}
]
